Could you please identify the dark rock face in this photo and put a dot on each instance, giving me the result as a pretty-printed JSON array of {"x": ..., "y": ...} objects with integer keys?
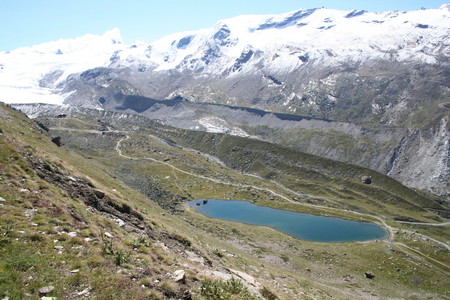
[
  {"x": 355, "y": 13},
  {"x": 115, "y": 57},
  {"x": 210, "y": 55},
  {"x": 184, "y": 42},
  {"x": 274, "y": 80},
  {"x": 49, "y": 79},
  {"x": 366, "y": 180},
  {"x": 222, "y": 38},
  {"x": 288, "y": 21},
  {"x": 101, "y": 86},
  {"x": 304, "y": 58},
  {"x": 41, "y": 125},
  {"x": 94, "y": 73},
  {"x": 222, "y": 35},
  {"x": 148, "y": 52},
  {"x": 245, "y": 57},
  {"x": 57, "y": 141},
  {"x": 78, "y": 187}
]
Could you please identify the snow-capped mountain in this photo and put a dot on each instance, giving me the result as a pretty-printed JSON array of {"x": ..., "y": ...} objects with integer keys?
[
  {"x": 386, "y": 74},
  {"x": 32, "y": 74},
  {"x": 281, "y": 43},
  {"x": 269, "y": 46}
]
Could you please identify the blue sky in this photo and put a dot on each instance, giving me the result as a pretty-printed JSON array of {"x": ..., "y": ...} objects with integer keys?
[{"x": 29, "y": 22}]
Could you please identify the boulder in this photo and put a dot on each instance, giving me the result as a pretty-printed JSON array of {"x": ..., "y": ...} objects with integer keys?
[
  {"x": 46, "y": 290},
  {"x": 57, "y": 141},
  {"x": 366, "y": 180},
  {"x": 109, "y": 235},
  {"x": 247, "y": 278},
  {"x": 179, "y": 276},
  {"x": 99, "y": 194},
  {"x": 195, "y": 257},
  {"x": 216, "y": 274},
  {"x": 84, "y": 292},
  {"x": 369, "y": 275}
]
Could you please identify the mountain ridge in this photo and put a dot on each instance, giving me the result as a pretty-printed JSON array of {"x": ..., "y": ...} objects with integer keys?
[
  {"x": 178, "y": 51},
  {"x": 389, "y": 69}
]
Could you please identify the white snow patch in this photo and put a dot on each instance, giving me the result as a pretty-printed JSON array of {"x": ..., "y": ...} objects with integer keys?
[
  {"x": 217, "y": 125},
  {"x": 23, "y": 68}
]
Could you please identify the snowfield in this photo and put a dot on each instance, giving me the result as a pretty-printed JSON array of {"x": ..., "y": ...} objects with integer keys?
[{"x": 277, "y": 44}]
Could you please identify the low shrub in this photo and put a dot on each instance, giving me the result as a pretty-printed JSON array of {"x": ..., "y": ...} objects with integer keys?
[{"x": 224, "y": 290}]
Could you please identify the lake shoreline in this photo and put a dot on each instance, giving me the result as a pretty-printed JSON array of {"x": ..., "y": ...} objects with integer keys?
[{"x": 302, "y": 226}]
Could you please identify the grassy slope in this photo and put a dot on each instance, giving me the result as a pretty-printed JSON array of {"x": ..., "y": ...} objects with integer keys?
[
  {"x": 292, "y": 268},
  {"x": 314, "y": 175},
  {"x": 49, "y": 238}
]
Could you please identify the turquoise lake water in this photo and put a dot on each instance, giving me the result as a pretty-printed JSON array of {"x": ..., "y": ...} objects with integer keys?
[{"x": 300, "y": 225}]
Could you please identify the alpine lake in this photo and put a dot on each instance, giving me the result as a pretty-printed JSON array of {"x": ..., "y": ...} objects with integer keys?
[{"x": 300, "y": 225}]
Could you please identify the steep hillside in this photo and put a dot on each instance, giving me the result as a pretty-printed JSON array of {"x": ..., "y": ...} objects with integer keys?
[
  {"x": 417, "y": 158},
  {"x": 301, "y": 172},
  {"x": 98, "y": 238},
  {"x": 71, "y": 231}
]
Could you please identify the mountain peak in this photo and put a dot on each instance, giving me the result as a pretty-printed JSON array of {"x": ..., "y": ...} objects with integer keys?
[
  {"x": 114, "y": 35},
  {"x": 445, "y": 7},
  {"x": 31, "y": 74},
  {"x": 279, "y": 44}
]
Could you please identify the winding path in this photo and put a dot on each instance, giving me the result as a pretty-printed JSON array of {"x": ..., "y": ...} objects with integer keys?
[
  {"x": 390, "y": 229},
  {"x": 425, "y": 224},
  {"x": 412, "y": 251}
]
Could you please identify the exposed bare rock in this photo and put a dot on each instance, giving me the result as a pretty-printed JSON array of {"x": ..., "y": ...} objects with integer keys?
[
  {"x": 366, "y": 180},
  {"x": 195, "y": 257},
  {"x": 57, "y": 141},
  {"x": 108, "y": 235},
  {"x": 46, "y": 290},
  {"x": 247, "y": 278},
  {"x": 179, "y": 276}
]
